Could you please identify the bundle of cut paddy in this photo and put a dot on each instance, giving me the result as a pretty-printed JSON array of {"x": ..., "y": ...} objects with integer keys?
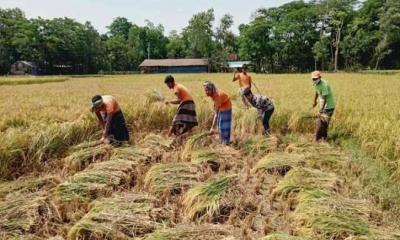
[
  {"x": 124, "y": 216},
  {"x": 335, "y": 217},
  {"x": 205, "y": 199},
  {"x": 281, "y": 236},
  {"x": 172, "y": 178},
  {"x": 154, "y": 96},
  {"x": 193, "y": 232},
  {"x": 96, "y": 181},
  {"x": 81, "y": 158},
  {"x": 157, "y": 141},
  {"x": 259, "y": 145},
  {"x": 279, "y": 163},
  {"x": 27, "y": 185},
  {"x": 304, "y": 179},
  {"x": 24, "y": 213},
  {"x": 206, "y": 156},
  {"x": 133, "y": 153},
  {"x": 192, "y": 143}
]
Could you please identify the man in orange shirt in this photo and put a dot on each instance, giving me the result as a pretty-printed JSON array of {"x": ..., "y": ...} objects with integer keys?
[
  {"x": 244, "y": 82},
  {"x": 185, "y": 118},
  {"x": 223, "y": 111},
  {"x": 111, "y": 119}
]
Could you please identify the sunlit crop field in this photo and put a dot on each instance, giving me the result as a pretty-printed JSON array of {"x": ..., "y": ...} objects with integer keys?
[
  {"x": 160, "y": 188},
  {"x": 367, "y": 106}
]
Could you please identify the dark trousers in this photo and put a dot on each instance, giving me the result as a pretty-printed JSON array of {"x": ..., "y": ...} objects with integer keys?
[
  {"x": 266, "y": 116},
  {"x": 118, "y": 131},
  {"x": 322, "y": 125}
]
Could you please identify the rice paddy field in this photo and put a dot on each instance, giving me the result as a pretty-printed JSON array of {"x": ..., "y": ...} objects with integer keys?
[{"x": 58, "y": 183}]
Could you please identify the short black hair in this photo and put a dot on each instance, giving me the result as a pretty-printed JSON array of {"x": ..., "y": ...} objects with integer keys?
[
  {"x": 169, "y": 79},
  {"x": 244, "y": 66},
  {"x": 96, "y": 98}
]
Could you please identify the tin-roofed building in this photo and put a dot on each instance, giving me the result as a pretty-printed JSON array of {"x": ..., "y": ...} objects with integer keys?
[{"x": 174, "y": 66}]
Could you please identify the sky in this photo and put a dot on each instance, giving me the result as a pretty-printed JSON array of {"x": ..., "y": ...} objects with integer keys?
[{"x": 172, "y": 14}]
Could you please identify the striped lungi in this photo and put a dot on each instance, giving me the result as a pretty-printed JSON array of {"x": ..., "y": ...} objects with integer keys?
[
  {"x": 185, "y": 118},
  {"x": 225, "y": 125}
]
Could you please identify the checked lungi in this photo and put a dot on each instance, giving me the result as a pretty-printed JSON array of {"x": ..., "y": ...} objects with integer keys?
[
  {"x": 185, "y": 118},
  {"x": 224, "y": 125}
]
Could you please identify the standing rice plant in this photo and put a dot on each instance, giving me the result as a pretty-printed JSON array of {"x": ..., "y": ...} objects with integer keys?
[{"x": 203, "y": 200}]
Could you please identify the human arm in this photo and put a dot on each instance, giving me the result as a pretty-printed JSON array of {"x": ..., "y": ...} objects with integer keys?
[
  {"x": 107, "y": 126},
  {"x": 212, "y": 129},
  {"x": 100, "y": 118},
  {"x": 315, "y": 100},
  {"x": 235, "y": 76},
  {"x": 176, "y": 101}
]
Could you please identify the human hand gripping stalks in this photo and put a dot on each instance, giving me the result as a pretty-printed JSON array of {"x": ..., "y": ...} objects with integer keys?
[{"x": 154, "y": 96}]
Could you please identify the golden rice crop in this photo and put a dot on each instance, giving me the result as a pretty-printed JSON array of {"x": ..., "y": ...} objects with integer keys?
[{"x": 376, "y": 130}]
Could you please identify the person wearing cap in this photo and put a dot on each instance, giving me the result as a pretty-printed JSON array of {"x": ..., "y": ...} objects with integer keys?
[
  {"x": 111, "y": 119},
  {"x": 265, "y": 108},
  {"x": 324, "y": 92},
  {"x": 185, "y": 118},
  {"x": 222, "y": 111},
  {"x": 244, "y": 82}
]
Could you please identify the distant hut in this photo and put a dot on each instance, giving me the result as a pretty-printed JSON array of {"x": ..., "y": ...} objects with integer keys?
[
  {"x": 233, "y": 65},
  {"x": 24, "y": 67},
  {"x": 174, "y": 66}
]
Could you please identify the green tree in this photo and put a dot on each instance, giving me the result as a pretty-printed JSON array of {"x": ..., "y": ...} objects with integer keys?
[
  {"x": 175, "y": 46},
  {"x": 198, "y": 35}
]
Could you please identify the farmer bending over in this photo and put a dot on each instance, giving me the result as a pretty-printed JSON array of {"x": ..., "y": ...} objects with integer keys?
[
  {"x": 327, "y": 100},
  {"x": 223, "y": 112},
  {"x": 244, "y": 82},
  {"x": 111, "y": 119},
  {"x": 264, "y": 106},
  {"x": 185, "y": 118}
]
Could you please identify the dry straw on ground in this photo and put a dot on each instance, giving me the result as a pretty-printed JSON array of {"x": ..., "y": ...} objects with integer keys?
[{"x": 123, "y": 216}]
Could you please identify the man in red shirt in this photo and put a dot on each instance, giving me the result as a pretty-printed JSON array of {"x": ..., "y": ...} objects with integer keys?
[
  {"x": 223, "y": 111},
  {"x": 185, "y": 118}
]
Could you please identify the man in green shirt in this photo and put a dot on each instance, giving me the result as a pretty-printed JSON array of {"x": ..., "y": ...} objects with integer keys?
[{"x": 324, "y": 91}]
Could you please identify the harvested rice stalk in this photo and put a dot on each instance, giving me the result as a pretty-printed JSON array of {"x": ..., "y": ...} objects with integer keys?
[
  {"x": 98, "y": 180},
  {"x": 332, "y": 217},
  {"x": 24, "y": 213},
  {"x": 259, "y": 145},
  {"x": 133, "y": 153},
  {"x": 80, "y": 159},
  {"x": 84, "y": 145},
  {"x": 124, "y": 216},
  {"x": 281, "y": 236},
  {"x": 154, "y": 96},
  {"x": 300, "y": 179},
  {"x": 279, "y": 163},
  {"x": 193, "y": 232},
  {"x": 28, "y": 185},
  {"x": 157, "y": 141},
  {"x": 172, "y": 177},
  {"x": 192, "y": 143},
  {"x": 203, "y": 200},
  {"x": 208, "y": 157}
]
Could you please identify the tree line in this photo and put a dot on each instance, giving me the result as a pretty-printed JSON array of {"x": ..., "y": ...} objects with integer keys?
[{"x": 295, "y": 37}]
